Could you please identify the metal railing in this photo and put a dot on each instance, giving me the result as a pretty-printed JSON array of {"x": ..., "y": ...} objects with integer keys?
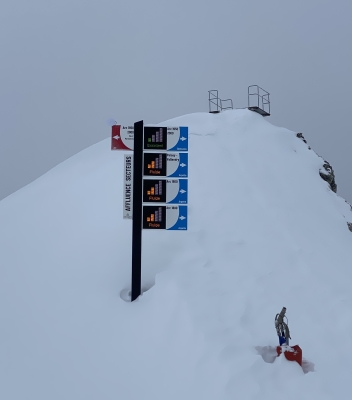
[
  {"x": 216, "y": 104},
  {"x": 214, "y": 101},
  {"x": 226, "y": 107},
  {"x": 259, "y": 98}
]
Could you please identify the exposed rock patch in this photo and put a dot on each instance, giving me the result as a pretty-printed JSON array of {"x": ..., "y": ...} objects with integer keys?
[
  {"x": 300, "y": 136},
  {"x": 328, "y": 175}
]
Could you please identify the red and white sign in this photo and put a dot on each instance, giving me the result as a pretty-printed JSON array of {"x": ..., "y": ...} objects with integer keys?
[{"x": 122, "y": 137}]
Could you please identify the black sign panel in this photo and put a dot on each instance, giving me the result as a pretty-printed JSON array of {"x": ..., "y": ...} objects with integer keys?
[
  {"x": 155, "y": 138},
  {"x": 154, "y": 191},
  {"x": 154, "y": 217},
  {"x": 154, "y": 164}
]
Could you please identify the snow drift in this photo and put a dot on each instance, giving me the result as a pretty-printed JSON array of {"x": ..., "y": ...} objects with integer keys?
[{"x": 265, "y": 231}]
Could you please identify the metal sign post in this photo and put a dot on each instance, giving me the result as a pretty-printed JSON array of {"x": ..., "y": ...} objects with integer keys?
[{"x": 137, "y": 211}]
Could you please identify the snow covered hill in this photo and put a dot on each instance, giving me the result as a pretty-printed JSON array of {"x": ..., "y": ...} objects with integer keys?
[{"x": 265, "y": 231}]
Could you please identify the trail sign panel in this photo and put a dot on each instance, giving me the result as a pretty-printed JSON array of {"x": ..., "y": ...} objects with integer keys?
[
  {"x": 128, "y": 186},
  {"x": 177, "y": 165},
  {"x": 154, "y": 217},
  {"x": 166, "y": 164},
  {"x": 155, "y": 138},
  {"x": 122, "y": 137},
  {"x": 165, "y": 217},
  {"x": 171, "y": 191},
  {"x": 154, "y": 191},
  {"x": 154, "y": 164},
  {"x": 177, "y": 191},
  {"x": 176, "y": 218},
  {"x": 164, "y": 138}
]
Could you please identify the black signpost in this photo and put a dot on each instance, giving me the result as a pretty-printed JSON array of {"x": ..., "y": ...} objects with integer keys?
[{"x": 137, "y": 211}]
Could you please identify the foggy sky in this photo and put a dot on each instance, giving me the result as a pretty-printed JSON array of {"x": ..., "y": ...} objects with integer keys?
[{"x": 68, "y": 66}]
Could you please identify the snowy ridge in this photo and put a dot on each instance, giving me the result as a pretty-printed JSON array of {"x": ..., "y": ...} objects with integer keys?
[{"x": 265, "y": 231}]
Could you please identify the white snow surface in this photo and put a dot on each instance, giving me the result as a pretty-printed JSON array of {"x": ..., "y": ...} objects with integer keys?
[{"x": 264, "y": 231}]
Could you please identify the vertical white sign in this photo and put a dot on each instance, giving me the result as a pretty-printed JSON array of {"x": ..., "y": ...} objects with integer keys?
[{"x": 128, "y": 187}]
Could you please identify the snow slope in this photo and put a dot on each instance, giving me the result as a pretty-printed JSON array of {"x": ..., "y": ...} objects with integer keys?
[{"x": 265, "y": 231}]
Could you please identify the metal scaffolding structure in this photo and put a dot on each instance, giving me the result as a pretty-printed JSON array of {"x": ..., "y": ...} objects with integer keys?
[
  {"x": 259, "y": 100},
  {"x": 216, "y": 104}
]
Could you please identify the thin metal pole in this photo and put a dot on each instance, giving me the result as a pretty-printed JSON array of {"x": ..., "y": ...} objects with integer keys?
[{"x": 137, "y": 211}]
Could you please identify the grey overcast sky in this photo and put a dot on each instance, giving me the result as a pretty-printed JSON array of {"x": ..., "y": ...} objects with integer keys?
[{"x": 68, "y": 66}]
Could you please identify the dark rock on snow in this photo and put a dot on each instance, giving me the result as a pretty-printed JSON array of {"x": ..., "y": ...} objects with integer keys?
[{"x": 328, "y": 175}]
